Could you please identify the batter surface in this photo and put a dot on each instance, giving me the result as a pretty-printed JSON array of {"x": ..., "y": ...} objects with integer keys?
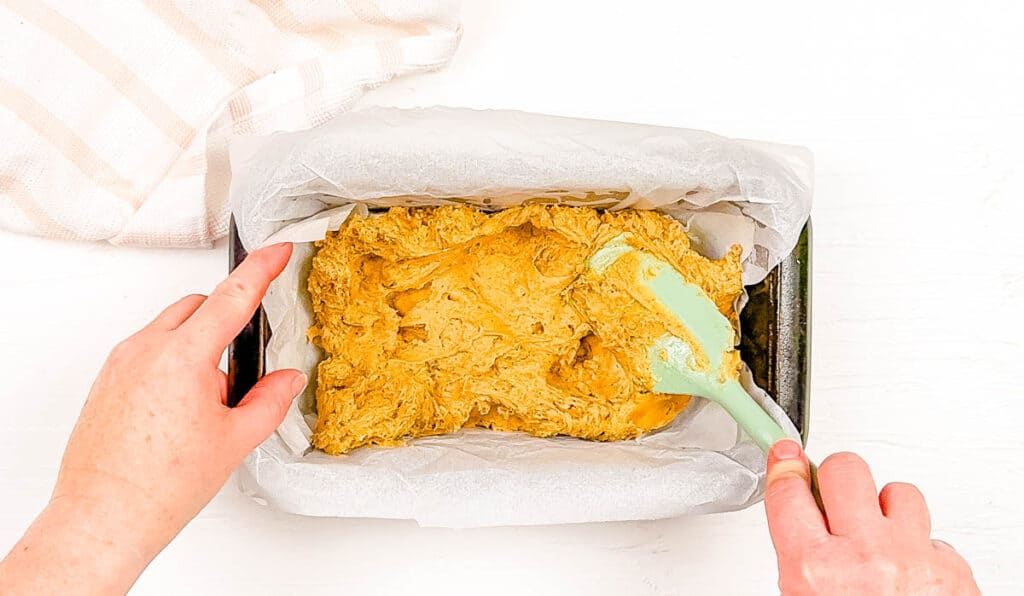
[{"x": 435, "y": 319}]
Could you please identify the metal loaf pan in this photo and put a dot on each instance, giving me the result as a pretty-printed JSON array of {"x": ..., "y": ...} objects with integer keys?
[{"x": 775, "y": 343}]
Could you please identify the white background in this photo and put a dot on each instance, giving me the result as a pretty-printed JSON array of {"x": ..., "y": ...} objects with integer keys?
[{"x": 915, "y": 116}]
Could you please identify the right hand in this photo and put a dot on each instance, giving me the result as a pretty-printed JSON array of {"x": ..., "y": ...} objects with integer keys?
[{"x": 866, "y": 543}]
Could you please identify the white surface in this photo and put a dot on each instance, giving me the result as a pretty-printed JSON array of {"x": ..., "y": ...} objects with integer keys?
[{"x": 916, "y": 302}]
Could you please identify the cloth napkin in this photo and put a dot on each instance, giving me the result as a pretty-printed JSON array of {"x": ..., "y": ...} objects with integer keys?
[{"x": 116, "y": 116}]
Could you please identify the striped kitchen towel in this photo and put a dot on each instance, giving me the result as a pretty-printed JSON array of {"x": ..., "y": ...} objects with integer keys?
[{"x": 116, "y": 114}]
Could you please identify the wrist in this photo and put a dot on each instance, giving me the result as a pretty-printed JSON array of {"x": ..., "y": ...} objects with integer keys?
[
  {"x": 101, "y": 523},
  {"x": 75, "y": 546},
  {"x": 122, "y": 515},
  {"x": 102, "y": 538}
]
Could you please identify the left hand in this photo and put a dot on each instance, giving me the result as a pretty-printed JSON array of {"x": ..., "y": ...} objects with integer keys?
[{"x": 155, "y": 440}]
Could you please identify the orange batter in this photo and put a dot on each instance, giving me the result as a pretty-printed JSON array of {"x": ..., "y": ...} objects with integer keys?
[{"x": 436, "y": 319}]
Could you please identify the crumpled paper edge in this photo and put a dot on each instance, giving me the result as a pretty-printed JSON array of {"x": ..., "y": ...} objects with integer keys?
[{"x": 404, "y": 496}]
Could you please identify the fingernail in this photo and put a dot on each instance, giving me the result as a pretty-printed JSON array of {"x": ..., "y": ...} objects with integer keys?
[
  {"x": 299, "y": 384},
  {"x": 786, "y": 459},
  {"x": 787, "y": 449}
]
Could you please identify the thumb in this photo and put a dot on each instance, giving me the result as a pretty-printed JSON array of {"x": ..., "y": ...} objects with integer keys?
[
  {"x": 793, "y": 517},
  {"x": 263, "y": 408}
]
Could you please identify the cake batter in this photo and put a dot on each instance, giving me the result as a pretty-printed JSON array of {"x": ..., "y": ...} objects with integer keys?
[{"x": 436, "y": 319}]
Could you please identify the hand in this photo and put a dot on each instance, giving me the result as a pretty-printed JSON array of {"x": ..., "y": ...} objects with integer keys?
[
  {"x": 155, "y": 440},
  {"x": 870, "y": 542}
]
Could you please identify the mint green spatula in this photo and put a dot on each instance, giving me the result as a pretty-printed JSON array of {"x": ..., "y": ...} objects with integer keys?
[{"x": 675, "y": 365}]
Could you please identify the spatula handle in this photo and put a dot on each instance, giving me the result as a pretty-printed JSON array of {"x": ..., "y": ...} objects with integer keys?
[
  {"x": 761, "y": 427},
  {"x": 815, "y": 489}
]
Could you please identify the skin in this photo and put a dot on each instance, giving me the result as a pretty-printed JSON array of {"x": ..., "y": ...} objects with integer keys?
[
  {"x": 867, "y": 542},
  {"x": 155, "y": 442}
]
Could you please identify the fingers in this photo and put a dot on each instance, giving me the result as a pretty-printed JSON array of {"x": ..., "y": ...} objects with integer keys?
[
  {"x": 849, "y": 494},
  {"x": 944, "y": 546},
  {"x": 222, "y": 387},
  {"x": 264, "y": 407},
  {"x": 963, "y": 577},
  {"x": 232, "y": 303},
  {"x": 174, "y": 315},
  {"x": 793, "y": 516},
  {"x": 904, "y": 505}
]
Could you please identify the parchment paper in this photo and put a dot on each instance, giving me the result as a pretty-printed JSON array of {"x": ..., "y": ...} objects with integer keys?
[{"x": 297, "y": 186}]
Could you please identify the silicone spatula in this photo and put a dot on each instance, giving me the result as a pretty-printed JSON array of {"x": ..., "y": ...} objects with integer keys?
[{"x": 678, "y": 366}]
